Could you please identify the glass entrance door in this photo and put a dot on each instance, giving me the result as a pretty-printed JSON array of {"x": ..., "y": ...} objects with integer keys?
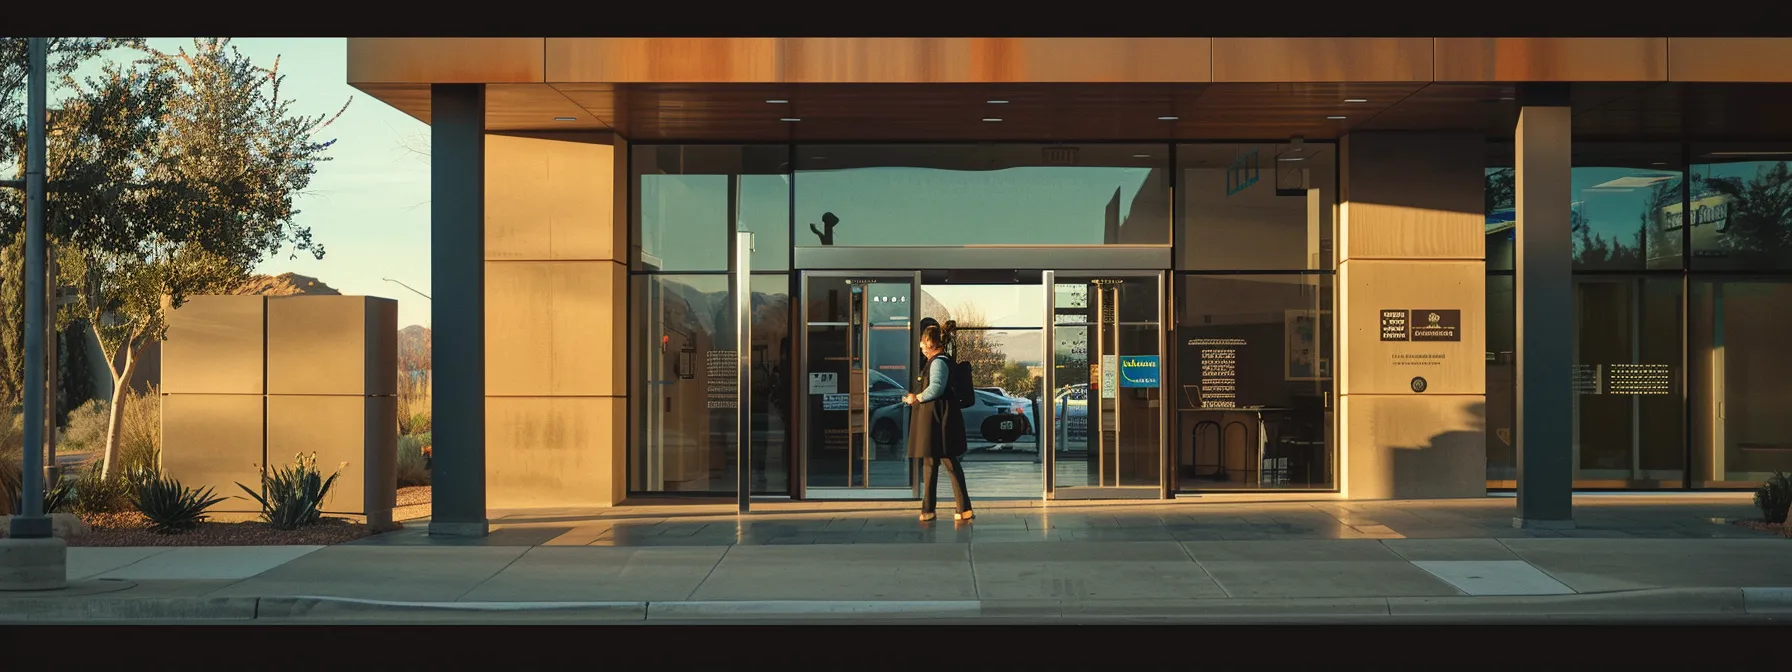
[
  {"x": 858, "y": 358},
  {"x": 1105, "y": 410}
]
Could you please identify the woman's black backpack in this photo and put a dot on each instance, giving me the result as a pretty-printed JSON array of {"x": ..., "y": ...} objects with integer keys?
[{"x": 960, "y": 386}]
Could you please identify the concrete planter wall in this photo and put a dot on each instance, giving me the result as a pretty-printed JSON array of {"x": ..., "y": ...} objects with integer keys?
[{"x": 249, "y": 381}]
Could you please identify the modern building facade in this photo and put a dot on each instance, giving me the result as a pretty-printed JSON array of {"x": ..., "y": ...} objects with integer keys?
[{"x": 1363, "y": 268}]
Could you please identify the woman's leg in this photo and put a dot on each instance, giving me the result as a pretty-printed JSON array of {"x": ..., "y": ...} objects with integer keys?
[
  {"x": 930, "y": 489},
  {"x": 960, "y": 495}
]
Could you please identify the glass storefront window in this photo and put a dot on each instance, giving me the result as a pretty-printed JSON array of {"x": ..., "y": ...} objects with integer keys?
[
  {"x": 1739, "y": 391},
  {"x": 684, "y": 435},
  {"x": 1741, "y": 207},
  {"x": 1254, "y": 367},
  {"x": 682, "y": 201},
  {"x": 1625, "y": 209},
  {"x": 1256, "y": 206},
  {"x": 1628, "y": 413},
  {"x": 1502, "y": 395},
  {"x": 982, "y": 194}
]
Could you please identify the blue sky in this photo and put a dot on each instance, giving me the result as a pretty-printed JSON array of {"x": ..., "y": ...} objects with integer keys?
[{"x": 368, "y": 205}]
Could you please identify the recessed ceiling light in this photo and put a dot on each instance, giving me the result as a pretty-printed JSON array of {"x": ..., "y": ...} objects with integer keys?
[
  {"x": 1292, "y": 158},
  {"x": 1356, "y": 100},
  {"x": 991, "y": 119},
  {"x": 1336, "y": 116},
  {"x": 790, "y": 119},
  {"x": 777, "y": 101},
  {"x": 565, "y": 119},
  {"x": 1141, "y": 156},
  {"x": 1168, "y": 118},
  {"x": 998, "y": 102}
]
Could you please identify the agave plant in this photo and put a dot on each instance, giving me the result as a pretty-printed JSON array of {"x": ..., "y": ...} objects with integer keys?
[
  {"x": 57, "y": 497},
  {"x": 295, "y": 494},
  {"x": 170, "y": 507},
  {"x": 1774, "y": 496}
]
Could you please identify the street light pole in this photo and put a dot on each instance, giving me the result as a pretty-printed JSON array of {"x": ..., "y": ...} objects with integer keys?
[
  {"x": 32, "y": 523},
  {"x": 413, "y": 289},
  {"x": 31, "y": 557}
]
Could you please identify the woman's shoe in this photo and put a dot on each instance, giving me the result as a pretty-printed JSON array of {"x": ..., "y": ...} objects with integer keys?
[
  {"x": 964, "y": 515},
  {"x": 926, "y": 517}
]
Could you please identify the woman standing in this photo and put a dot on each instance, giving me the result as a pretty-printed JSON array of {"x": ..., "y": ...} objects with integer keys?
[{"x": 936, "y": 424}]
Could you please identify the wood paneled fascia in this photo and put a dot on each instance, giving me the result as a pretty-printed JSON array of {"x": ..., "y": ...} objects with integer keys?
[
  {"x": 665, "y": 59},
  {"x": 1730, "y": 59},
  {"x": 1552, "y": 59},
  {"x": 445, "y": 60},
  {"x": 1322, "y": 59}
]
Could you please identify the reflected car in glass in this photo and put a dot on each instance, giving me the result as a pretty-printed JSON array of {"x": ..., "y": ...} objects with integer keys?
[{"x": 995, "y": 418}]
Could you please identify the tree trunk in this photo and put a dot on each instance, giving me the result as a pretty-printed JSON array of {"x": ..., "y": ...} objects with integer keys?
[{"x": 121, "y": 385}]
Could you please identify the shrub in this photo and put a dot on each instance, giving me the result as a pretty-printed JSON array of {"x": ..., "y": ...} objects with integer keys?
[
  {"x": 96, "y": 495},
  {"x": 86, "y": 428},
  {"x": 413, "y": 461},
  {"x": 413, "y": 407},
  {"x": 140, "y": 434},
  {"x": 1774, "y": 496},
  {"x": 60, "y": 496},
  {"x": 170, "y": 507},
  {"x": 295, "y": 494}
]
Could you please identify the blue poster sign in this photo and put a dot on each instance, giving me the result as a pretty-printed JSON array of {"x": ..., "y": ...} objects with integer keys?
[{"x": 1138, "y": 371}]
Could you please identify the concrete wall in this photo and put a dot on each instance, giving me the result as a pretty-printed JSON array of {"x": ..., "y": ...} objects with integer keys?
[
  {"x": 1411, "y": 238},
  {"x": 250, "y": 382},
  {"x": 556, "y": 246}
]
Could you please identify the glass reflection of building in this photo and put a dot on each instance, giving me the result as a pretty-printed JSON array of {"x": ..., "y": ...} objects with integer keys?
[{"x": 1669, "y": 239}]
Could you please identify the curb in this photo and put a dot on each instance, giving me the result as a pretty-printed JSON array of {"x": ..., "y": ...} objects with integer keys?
[
  {"x": 1768, "y": 600},
  {"x": 1646, "y": 603}
]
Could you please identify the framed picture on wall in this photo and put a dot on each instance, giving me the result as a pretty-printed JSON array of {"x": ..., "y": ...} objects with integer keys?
[{"x": 1301, "y": 357}]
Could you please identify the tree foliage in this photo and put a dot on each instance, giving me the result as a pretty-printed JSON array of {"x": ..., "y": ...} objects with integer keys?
[{"x": 169, "y": 176}]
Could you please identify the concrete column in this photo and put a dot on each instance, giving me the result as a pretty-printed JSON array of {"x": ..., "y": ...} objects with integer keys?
[
  {"x": 1545, "y": 288},
  {"x": 457, "y": 278}
]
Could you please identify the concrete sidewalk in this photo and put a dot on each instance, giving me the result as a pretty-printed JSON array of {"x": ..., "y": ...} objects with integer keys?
[{"x": 1662, "y": 559}]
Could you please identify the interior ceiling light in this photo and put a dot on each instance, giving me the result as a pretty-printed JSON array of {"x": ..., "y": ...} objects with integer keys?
[
  {"x": 1291, "y": 158},
  {"x": 1356, "y": 100},
  {"x": 1336, "y": 117},
  {"x": 1168, "y": 118},
  {"x": 998, "y": 102},
  {"x": 790, "y": 119},
  {"x": 565, "y": 119},
  {"x": 991, "y": 119},
  {"x": 777, "y": 101},
  {"x": 1141, "y": 156}
]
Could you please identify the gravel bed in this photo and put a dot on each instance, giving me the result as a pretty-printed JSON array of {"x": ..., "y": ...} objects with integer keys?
[
  {"x": 127, "y": 529},
  {"x": 413, "y": 503},
  {"x": 1770, "y": 528}
]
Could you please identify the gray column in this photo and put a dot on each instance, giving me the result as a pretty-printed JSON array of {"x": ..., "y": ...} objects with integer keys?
[
  {"x": 457, "y": 276},
  {"x": 1545, "y": 299}
]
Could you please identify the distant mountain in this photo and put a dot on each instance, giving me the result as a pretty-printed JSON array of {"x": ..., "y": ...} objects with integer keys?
[{"x": 284, "y": 284}]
